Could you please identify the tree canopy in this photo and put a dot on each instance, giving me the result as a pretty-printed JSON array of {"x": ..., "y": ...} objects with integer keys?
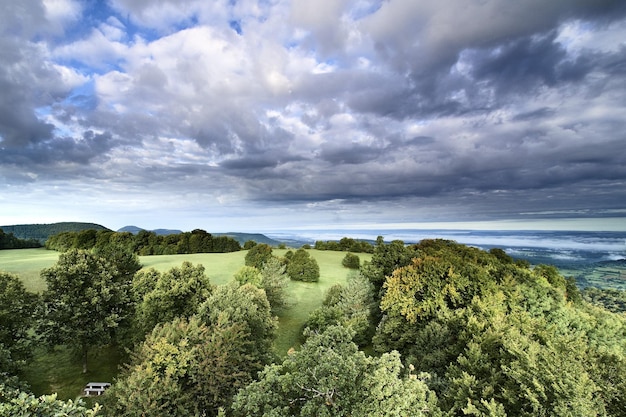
[
  {"x": 329, "y": 376},
  {"x": 303, "y": 267},
  {"x": 86, "y": 299}
]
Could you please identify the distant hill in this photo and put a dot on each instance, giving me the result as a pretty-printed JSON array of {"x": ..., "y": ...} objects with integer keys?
[
  {"x": 42, "y": 232},
  {"x": 244, "y": 237},
  {"x": 161, "y": 232},
  {"x": 239, "y": 237}
]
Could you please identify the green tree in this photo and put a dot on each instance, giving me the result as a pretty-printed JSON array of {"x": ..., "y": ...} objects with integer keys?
[
  {"x": 85, "y": 301},
  {"x": 248, "y": 306},
  {"x": 16, "y": 315},
  {"x": 16, "y": 403},
  {"x": 351, "y": 306},
  {"x": 258, "y": 255},
  {"x": 275, "y": 281},
  {"x": 303, "y": 267},
  {"x": 351, "y": 261},
  {"x": 161, "y": 297},
  {"x": 184, "y": 368},
  {"x": 329, "y": 376},
  {"x": 501, "y": 337},
  {"x": 248, "y": 275}
]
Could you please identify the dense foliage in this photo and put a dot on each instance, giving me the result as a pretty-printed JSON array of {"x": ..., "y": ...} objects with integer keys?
[
  {"x": 501, "y": 338},
  {"x": 611, "y": 299},
  {"x": 10, "y": 241},
  {"x": 329, "y": 376},
  {"x": 41, "y": 232},
  {"x": 87, "y": 299},
  {"x": 16, "y": 316},
  {"x": 345, "y": 244},
  {"x": 162, "y": 297},
  {"x": 17, "y": 403},
  {"x": 457, "y": 331},
  {"x": 144, "y": 242},
  {"x": 351, "y": 306},
  {"x": 351, "y": 261},
  {"x": 302, "y": 267},
  {"x": 258, "y": 255}
]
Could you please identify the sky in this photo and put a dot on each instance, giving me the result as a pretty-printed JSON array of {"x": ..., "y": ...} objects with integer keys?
[{"x": 249, "y": 115}]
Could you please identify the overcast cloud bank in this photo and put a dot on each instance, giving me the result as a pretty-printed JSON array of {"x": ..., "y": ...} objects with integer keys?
[{"x": 187, "y": 114}]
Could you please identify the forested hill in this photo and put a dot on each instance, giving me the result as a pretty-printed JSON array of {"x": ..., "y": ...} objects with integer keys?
[{"x": 42, "y": 232}]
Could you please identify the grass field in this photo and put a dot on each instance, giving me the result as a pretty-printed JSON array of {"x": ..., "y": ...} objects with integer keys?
[
  {"x": 59, "y": 371},
  {"x": 27, "y": 264}
]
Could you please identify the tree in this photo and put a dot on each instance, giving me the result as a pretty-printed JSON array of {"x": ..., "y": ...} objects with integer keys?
[
  {"x": 249, "y": 244},
  {"x": 17, "y": 403},
  {"x": 16, "y": 315},
  {"x": 351, "y": 305},
  {"x": 351, "y": 261},
  {"x": 86, "y": 300},
  {"x": 161, "y": 297},
  {"x": 248, "y": 306},
  {"x": 258, "y": 255},
  {"x": 503, "y": 338},
  {"x": 184, "y": 368},
  {"x": 274, "y": 280},
  {"x": 329, "y": 376},
  {"x": 302, "y": 267},
  {"x": 248, "y": 275}
]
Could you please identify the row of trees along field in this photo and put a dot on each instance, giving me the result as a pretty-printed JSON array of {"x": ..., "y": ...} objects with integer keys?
[
  {"x": 10, "y": 241},
  {"x": 144, "y": 242},
  {"x": 455, "y": 331}
]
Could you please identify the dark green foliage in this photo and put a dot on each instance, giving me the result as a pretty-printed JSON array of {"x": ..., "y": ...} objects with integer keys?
[
  {"x": 329, "y": 376},
  {"x": 387, "y": 258},
  {"x": 16, "y": 316},
  {"x": 302, "y": 267},
  {"x": 351, "y": 261},
  {"x": 249, "y": 244},
  {"x": 345, "y": 244},
  {"x": 10, "y": 241},
  {"x": 258, "y": 255},
  {"x": 612, "y": 300},
  {"x": 144, "y": 242},
  {"x": 41, "y": 232},
  {"x": 86, "y": 300}
]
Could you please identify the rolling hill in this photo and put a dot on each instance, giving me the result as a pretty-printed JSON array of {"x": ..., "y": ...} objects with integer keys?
[{"x": 42, "y": 232}]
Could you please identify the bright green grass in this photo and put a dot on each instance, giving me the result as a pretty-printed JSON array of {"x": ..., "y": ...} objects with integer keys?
[
  {"x": 27, "y": 264},
  {"x": 59, "y": 371}
]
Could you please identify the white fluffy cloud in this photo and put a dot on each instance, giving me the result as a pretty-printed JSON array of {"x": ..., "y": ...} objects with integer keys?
[{"x": 281, "y": 103}]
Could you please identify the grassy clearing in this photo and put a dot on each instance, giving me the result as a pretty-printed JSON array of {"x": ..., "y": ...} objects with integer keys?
[
  {"x": 60, "y": 371},
  {"x": 27, "y": 264}
]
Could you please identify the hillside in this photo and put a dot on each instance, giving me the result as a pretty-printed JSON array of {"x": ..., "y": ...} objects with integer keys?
[
  {"x": 42, "y": 232},
  {"x": 244, "y": 237},
  {"x": 239, "y": 237},
  {"x": 161, "y": 232}
]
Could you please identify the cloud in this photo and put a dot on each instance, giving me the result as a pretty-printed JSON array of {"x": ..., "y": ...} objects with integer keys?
[{"x": 462, "y": 108}]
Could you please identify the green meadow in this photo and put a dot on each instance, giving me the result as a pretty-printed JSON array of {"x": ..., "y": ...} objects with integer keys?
[{"x": 58, "y": 371}]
